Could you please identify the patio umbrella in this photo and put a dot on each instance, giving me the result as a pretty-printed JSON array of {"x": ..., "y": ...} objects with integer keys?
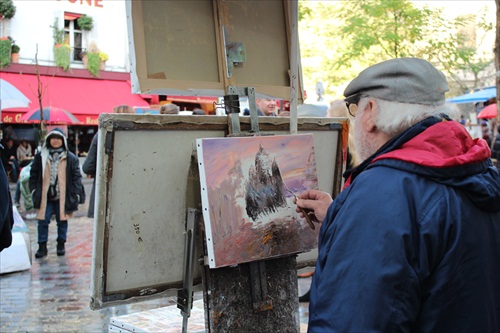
[
  {"x": 51, "y": 115},
  {"x": 490, "y": 111},
  {"x": 11, "y": 97}
]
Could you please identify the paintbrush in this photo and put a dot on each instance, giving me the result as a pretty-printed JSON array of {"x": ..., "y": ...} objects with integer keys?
[{"x": 306, "y": 215}]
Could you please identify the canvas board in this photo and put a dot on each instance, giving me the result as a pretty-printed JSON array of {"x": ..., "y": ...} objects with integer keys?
[
  {"x": 147, "y": 178},
  {"x": 247, "y": 188},
  {"x": 200, "y": 47}
]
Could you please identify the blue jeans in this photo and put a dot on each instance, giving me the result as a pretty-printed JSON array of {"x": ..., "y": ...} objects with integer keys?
[
  {"x": 43, "y": 225},
  {"x": 17, "y": 193}
]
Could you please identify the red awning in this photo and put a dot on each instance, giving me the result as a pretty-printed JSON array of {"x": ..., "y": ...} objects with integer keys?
[
  {"x": 71, "y": 16},
  {"x": 85, "y": 98}
]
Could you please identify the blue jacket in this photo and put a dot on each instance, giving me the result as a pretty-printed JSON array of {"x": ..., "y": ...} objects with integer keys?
[{"x": 413, "y": 243}]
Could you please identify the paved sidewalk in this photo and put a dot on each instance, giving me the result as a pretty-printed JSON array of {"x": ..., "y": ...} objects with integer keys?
[{"x": 53, "y": 296}]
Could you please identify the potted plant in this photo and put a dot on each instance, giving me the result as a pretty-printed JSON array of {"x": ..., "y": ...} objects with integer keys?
[
  {"x": 93, "y": 63},
  {"x": 62, "y": 55},
  {"x": 7, "y": 9},
  {"x": 5, "y": 49},
  {"x": 14, "y": 53},
  {"x": 86, "y": 23},
  {"x": 94, "y": 59},
  {"x": 62, "y": 51}
]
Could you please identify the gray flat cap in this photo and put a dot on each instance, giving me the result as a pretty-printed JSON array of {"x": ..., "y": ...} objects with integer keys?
[{"x": 406, "y": 80}]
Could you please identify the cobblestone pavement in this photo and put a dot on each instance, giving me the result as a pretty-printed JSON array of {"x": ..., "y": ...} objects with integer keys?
[{"x": 53, "y": 296}]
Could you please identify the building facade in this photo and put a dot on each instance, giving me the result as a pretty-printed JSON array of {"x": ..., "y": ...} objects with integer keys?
[{"x": 67, "y": 63}]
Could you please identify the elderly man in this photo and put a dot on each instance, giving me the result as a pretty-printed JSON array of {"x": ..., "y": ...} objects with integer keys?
[
  {"x": 412, "y": 243},
  {"x": 265, "y": 107}
]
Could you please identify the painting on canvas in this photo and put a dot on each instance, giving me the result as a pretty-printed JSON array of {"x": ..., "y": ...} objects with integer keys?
[{"x": 248, "y": 210}]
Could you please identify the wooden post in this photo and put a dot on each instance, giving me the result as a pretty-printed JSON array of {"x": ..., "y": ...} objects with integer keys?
[{"x": 229, "y": 305}]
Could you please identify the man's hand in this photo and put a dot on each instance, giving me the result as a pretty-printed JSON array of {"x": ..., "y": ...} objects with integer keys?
[{"x": 315, "y": 202}]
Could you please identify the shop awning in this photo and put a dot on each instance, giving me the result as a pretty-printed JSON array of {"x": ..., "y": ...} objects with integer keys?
[
  {"x": 477, "y": 96},
  {"x": 85, "y": 98}
]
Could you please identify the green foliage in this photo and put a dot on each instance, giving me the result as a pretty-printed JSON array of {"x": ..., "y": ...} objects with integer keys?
[
  {"x": 339, "y": 39},
  {"x": 57, "y": 34},
  {"x": 85, "y": 22},
  {"x": 62, "y": 56},
  {"x": 305, "y": 12},
  {"x": 7, "y": 9},
  {"x": 459, "y": 53},
  {"x": 390, "y": 29},
  {"x": 94, "y": 63},
  {"x": 5, "y": 49},
  {"x": 15, "y": 48}
]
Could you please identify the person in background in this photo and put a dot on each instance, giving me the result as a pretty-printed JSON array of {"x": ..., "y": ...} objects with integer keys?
[
  {"x": 56, "y": 188},
  {"x": 486, "y": 132},
  {"x": 462, "y": 119},
  {"x": 169, "y": 108},
  {"x": 24, "y": 151},
  {"x": 6, "y": 212},
  {"x": 412, "y": 243},
  {"x": 10, "y": 161},
  {"x": 265, "y": 107},
  {"x": 89, "y": 167},
  {"x": 22, "y": 190},
  {"x": 495, "y": 152},
  {"x": 24, "y": 156}
]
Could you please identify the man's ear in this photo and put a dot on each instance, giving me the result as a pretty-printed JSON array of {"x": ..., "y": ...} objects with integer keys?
[{"x": 371, "y": 113}]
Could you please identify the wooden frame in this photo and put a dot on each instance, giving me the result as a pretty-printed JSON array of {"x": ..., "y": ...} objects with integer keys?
[
  {"x": 147, "y": 179},
  {"x": 183, "y": 47}
]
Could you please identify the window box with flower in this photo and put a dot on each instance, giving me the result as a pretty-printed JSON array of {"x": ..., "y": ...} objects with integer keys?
[
  {"x": 94, "y": 59},
  {"x": 103, "y": 57},
  {"x": 62, "y": 54}
]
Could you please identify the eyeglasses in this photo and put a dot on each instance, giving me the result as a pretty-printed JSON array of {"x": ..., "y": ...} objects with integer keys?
[{"x": 352, "y": 104}]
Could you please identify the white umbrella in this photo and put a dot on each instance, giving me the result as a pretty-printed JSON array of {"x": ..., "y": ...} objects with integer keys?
[{"x": 11, "y": 97}]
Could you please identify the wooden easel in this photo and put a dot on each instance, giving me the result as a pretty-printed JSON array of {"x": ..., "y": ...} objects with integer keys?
[{"x": 259, "y": 296}]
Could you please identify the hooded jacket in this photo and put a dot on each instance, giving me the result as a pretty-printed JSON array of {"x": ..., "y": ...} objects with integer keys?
[
  {"x": 71, "y": 190},
  {"x": 413, "y": 243}
]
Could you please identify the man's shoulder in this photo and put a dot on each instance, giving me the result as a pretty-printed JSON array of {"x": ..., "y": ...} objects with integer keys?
[{"x": 389, "y": 183}]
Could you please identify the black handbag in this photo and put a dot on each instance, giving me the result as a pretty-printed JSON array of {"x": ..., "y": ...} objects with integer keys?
[{"x": 52, "y": 193}]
